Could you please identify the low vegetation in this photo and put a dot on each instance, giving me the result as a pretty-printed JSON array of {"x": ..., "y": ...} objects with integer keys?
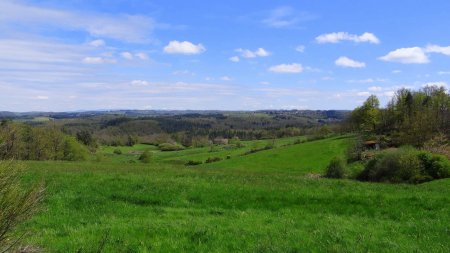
[
  {"x": 17, "y": 204},
  {"x": 336, "y": 168},
  {"x": 405, "y": 165}
]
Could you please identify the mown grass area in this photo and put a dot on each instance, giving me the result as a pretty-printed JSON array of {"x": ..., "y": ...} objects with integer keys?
[{"x": 244, "y": 204}]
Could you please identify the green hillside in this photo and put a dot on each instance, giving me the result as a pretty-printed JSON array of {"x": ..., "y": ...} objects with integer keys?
[
  {"x": 261, "y": 202},
  {"x": 309, "y": 157}
]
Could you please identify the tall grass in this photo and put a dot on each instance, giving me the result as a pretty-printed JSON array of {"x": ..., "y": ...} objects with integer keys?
[{"x": 17, "y": 203}]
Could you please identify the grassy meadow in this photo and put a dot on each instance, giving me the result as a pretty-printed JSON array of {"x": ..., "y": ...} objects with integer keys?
[{"x": 267, "y": 201}]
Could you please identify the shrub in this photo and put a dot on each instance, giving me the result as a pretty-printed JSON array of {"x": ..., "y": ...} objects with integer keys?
[
  {"x": 336, "y": 168},
  {"x": 74, "y": 151},
  {"x": 17, "y": 204},
  {"x": 117, "y": 151},
  {"x": 435, "y": 166},
  {"x": 193, "y": 163},
  {"x": 405, "y": 165},
  {"x": 146, "y": 157},
  {"x": 99, "y": 157},
  {"x": 213, "y": 159},
  {"x": 170, "y": 147}
]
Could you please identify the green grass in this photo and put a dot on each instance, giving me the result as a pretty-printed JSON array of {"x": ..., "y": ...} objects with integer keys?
[
  {"x": 245, "y": 204},
  {"x": 309, "y": 157}
]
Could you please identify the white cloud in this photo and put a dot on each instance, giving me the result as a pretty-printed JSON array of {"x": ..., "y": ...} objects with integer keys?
[
  {"x": 264, "y": 83},
  {"x": 127, "y": 55},
  {"x": 226, "y": 78},
  {"x": 444, "y": 72},
  {"x": 368, "y": 80},
  {"x": 139, "y": 83},
  {"x": 185, "y": 47},
  {"x": 183, "y": 72},
  {"x": 300, "y": 49},
  {"x": 411, "y": 55},
  {"x": 349, "y": 63},
  {"x": 287, "y": 68},
  {"x": 234, "y": 59},
  {"x": 97, "y": 60},
  {"x": 142, "y": 56},
  {"x": 342, "y": 36},
  {"x": 260, "y": 52},
  {"x": 396, "y": 71},
  {"x": 438, "y": 84},
  {"x": 97, "y": 43},
  {"x": 438, "y": 49},
  {"x": 130, "y": 28},
  {"x": 42, "y": 97},
  {"x": 389, "y": 94},
  {"x": 375, "y": 88},
  {"x": 286, "y": 17}
]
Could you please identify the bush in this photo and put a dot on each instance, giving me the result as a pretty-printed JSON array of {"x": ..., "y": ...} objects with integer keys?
[
  {"x": 16, "y": 203},
  {"x": 117, "y": 151},
  {"x": 213, "y": 159},
  {"x": 193, "y": 163},
  {"x": 74, "y": 151},
  {"x": 435, "y": 166},
  {"x": 336, "y": 168},
  {"x": 146, "y": 157},
  {"x": 170, "y": 147},
  {"x": 405, "y": 165}
]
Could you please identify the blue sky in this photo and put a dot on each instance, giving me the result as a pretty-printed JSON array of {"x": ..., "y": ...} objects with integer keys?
[{"x": 229, "y": 55}]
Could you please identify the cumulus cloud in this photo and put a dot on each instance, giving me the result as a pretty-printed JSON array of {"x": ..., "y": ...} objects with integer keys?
[
  {"x": 184, "y": 47},
  {"x": 142, "y": 56},
  {"x": 375, "y": 88},
  {"x": 97, "y": 43},
  {"x": 234, "y": 59},
  {"x": 410, "y": 55},
  {"x": 127, "y": 55},
  {"x": 438, "y": 49},
  {"x": 260, "y": 52},
  {"x": 287, "y": 68},
  {"x": 346, "y": 62},
  {"x": 337, "y": 37}
]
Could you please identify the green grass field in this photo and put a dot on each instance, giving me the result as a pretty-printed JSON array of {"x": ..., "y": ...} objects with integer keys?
[{"x": 261, "y": 202}]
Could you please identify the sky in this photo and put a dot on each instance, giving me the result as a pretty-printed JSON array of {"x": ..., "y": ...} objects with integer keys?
[{"x": 217, "y": 55}]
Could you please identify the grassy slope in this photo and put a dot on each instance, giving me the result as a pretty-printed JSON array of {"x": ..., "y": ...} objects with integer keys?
[
  {"x": 301, "y": 158},
  {"x": 225, "y": 208}
]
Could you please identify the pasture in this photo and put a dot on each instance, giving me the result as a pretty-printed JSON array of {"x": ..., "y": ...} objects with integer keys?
[{"x": 258, "y": 202}]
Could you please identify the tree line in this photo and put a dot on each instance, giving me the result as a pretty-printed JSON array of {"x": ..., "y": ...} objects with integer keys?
[
  {"x": 410, "y": 118},
  {"x": 24, "y": 142}
]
